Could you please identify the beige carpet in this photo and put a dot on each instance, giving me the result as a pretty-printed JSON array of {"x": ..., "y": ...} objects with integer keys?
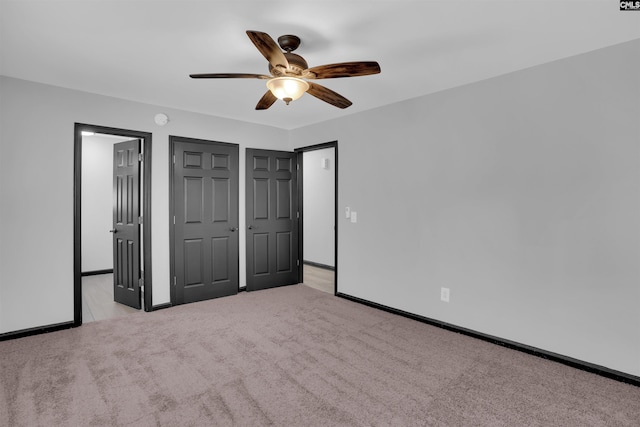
[{"x": 291, "y": 356}]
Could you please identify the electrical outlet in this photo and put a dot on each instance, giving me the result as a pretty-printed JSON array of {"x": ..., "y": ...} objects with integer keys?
[{"x": 444, "y": 294}]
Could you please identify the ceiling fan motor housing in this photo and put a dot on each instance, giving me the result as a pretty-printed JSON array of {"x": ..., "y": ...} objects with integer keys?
[{"x": 297, "y": 65}]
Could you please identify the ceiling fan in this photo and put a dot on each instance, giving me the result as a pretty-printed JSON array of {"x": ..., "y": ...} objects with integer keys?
[{"x": 290, "y": 72}]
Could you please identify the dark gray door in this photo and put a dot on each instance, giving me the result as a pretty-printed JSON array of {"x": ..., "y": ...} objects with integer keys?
[
  {"x": 126, "y": 221},
  {"x": 271, "y": 215},
  {"x": 205, "y": 209}
]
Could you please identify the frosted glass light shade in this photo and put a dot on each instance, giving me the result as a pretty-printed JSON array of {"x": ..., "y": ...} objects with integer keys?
[{"x": 287, "y": 88}]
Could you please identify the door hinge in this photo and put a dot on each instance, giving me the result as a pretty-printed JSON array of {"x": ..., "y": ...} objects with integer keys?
[
  {"x": 297, "y": 166},
  {"x": 174, "y": 280},
  {"x": 140, "y": 219},
  {"x": 174, "y": 159},
  {"x": 298, "y": 262},
  {"x": 174, "y": 220},
  {"x": 141, "y": 283},
  {"x": 298, "y": 215},
  {"x": 140, "y": 157}
]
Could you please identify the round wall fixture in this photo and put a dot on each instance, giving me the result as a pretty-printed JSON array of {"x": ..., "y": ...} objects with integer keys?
[{"x": 161, "y": 119}]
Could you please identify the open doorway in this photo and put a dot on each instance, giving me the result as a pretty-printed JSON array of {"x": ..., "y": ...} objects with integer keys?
[
  {"x": 318, "y": 200},
  {"x": 108, "y": 249}
]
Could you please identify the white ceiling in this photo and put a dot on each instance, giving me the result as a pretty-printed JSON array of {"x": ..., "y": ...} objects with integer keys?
[{"x": 144, "y": 50}]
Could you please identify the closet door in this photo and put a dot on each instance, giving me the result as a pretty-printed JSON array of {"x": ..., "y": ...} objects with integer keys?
[
  {"x": 272, "y": 219},
  {"x": 205, "y": 219}
]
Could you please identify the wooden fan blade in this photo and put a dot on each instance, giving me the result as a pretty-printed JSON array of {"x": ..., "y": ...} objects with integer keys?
[
  {"x": 343, "y": 69},
  {"x": 327, "y": 95},
  {"x": 228, "y": 76},
  {"x": 266, "y": 101},
  {"x": 268, "y": 48}
]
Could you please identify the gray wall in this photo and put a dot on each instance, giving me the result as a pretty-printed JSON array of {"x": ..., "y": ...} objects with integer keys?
[
  {"x": 319, "y": 207},
  {"x": 520, "y": 193},
  {"x": 36, "y": 190}
]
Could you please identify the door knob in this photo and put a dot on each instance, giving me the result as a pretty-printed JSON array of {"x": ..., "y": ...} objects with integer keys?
[
  {"x": 113, "y": 231},
  {"x": 251, "y": 227},
  {"x": 233, "y": 228}
]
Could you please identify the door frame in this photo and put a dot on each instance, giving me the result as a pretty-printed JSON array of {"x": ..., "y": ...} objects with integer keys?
[
  {"x": 145, "y": 137},
  {"x": 299, "y": 152},
  {"x": 173, "y": 139}
]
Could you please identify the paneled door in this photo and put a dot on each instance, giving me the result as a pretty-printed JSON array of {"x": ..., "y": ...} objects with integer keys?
[
  {"x": 205, "y": 219},
  {"x": 272, "y": 219},
  {"x": 126, "y": 223}
]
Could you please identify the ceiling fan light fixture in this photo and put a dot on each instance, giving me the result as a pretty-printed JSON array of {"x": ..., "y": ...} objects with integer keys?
[{"x": 287, "y": 88}]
